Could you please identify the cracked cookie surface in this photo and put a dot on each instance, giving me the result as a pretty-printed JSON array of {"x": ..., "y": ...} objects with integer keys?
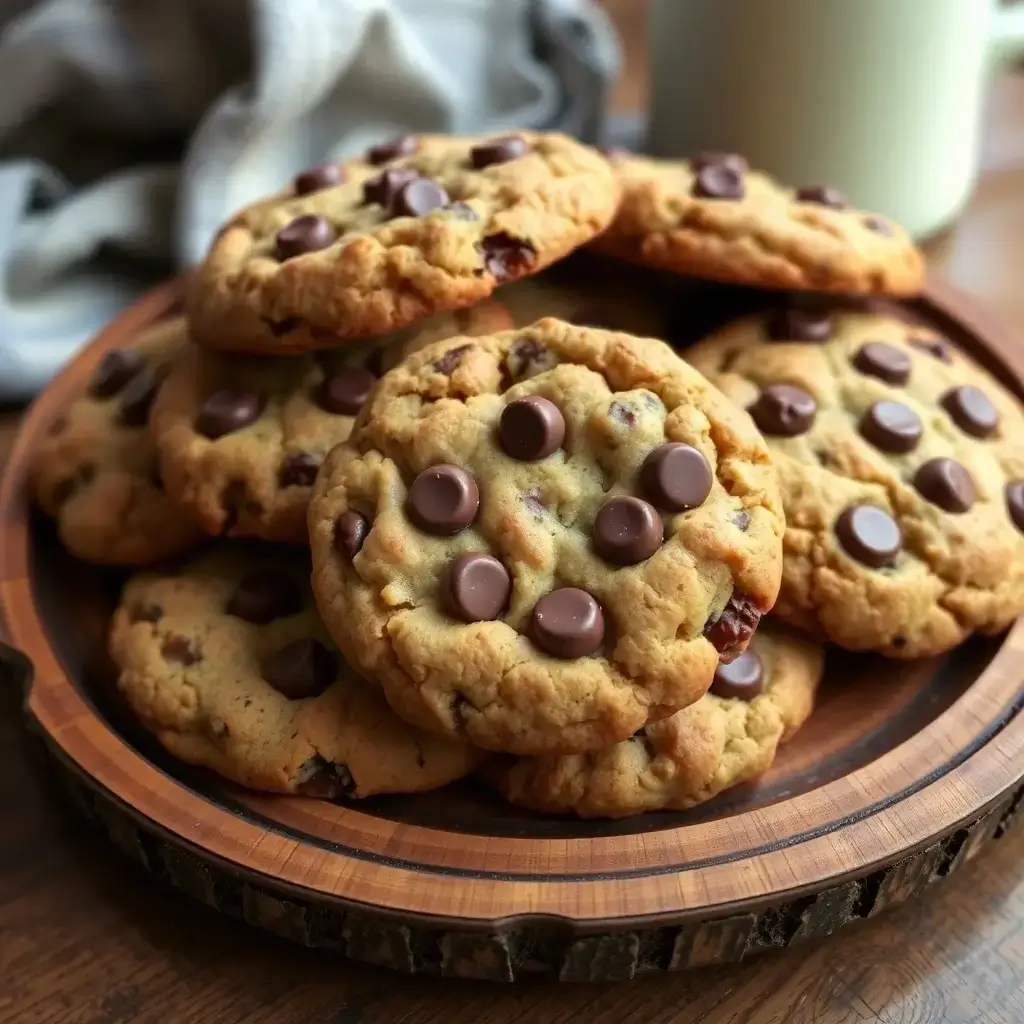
[
  {"x": 901, "y": 465},
  {"x": 727, "y": 737},
  {"x": 541, "y": 540},
  {"x": 229, "y": 665},
  {"x": 241, "y": 437},
  {"x": 420, "y": 225},
  {"x": 95, "y": 472},
  {"x": 713, "y": 217}
]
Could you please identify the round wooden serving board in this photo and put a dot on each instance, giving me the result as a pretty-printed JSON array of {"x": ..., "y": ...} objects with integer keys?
[{"x": 903, "y": 773}]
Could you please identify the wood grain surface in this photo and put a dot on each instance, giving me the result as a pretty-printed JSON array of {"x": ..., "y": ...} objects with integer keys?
[{"x": 86, "y": 937}]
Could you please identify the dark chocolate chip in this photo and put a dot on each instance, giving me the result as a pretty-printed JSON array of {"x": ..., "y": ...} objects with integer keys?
[
  {"x": 401, "y": 145},
  {"x": 476, "y": 587},
  {"x": 622, "y": 413},
  {"x": 741, "y": 520},
  {"x": 451, "y": 359},
  {"x": 497, "y": 151},
  {"x": 870, "y": 535},
  {"x": 531, "y": 428},
  {"x": 279, "y": 328},
  {"x": 314, "y": 179},
  {"x": 116, "y": 368},
  {"x": 822, "y": 195},
  {"x": 324, "y": 780},
  {"x": 345, "y": 391},
  {"x": 886, "y": 362},
  {"x": 226, "y": 410},
  {"x": 879, "y": 226},
  {"x": 891, "y": 427},
  {"x": 740, "y": 679},
  {"x": 146, "y": 611},
  {"x": 627, "y": 531},
  {"x": 443, "y": 500},
  {"x": 719, "y": 181},
  {"x": 784, "y": 410},
  {"x": 264, "y": 595},
  {"x": 1015, "y": 502},
  {"x": 383, "y": 189},
  {"x": 934, "y": 347},
  {"x": 303, "y": 668},
  {"x": 350, "y": 530},
  {"x": 298, "y": 469},
  {"x": 800, "y": 322},
  {"x": 946, "y": 483},
  {"x": 970, "y": 410},
  {"x": 676, "y": 477},
  {"x": 710, "y": 158},
  {"x": 729, "y": 633},
  {"x": 308, "y": 233},
  {"x": 568, "y": 623},
  {"x": 138, "y": 394},
  {"x": 417, "y": 198},
  {"x": 506, "y": 257},
  {"x": 179, "y": 649}
]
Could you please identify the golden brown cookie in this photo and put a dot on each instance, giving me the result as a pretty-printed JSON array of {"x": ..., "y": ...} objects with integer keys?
[
  {"x": 420, "y": 225},
  {"x": 901, "y": 464},
  {"x": 542, "y": 540},
  {"x": 715, "y": 218}
]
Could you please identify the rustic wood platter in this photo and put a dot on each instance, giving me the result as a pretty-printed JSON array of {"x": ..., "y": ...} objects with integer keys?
[{"x": 904, "y": 772}]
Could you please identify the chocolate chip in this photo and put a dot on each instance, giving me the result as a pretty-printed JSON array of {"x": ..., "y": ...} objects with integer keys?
[
  {"x": 719, "y": 181},
  {"x": 462, "y": 211},
  {"x": 116, "y": 368},
  {"x": 886, "y": 362},
  {"x": 946, "y": 483},
  {"x": 531, "y": 428},
  {"x": 476, "y": 587},
  {"x": 146, "y": 611},
  {"x": 345, "y": 391},
  {"x": 971, "y": 410},
  {"x": 383, "y": 189},
  {"x": 1015, "y": 502},
  {"x": 226, "y": 410},
  {"x": 506, "y": 257},
  {"x": 800, "y": 322},
  {"x": 350, "y": 530},
  {"x": 741, "y": 520},
  {"x": 401, "y": 145},
  {"x": 676, "y": 477},
  {"x": 451, "y": 359},
  {"x": 314, "y": 179},
  {"x": 879, "y": 226},
  {"x": 443, "y": 500},
  {"x": 497, "y": 151},
  {"x": 303, "y": 668},
  {"x": 822, "y": 195},
  {"x": 740, "y": 679},
  {"x": 933, "y": 347},
  {"x": 417, "y": 198},
  {"x": 568, "y": 623},
  {"x": 627, "y": 531},
  {"x": 324, "y": 780},
  {"x": 308, "y": 233},
  {"x": 891, "y": 427},
  {"x": 784, "y": 410},
  {"x": 178, "y": 648},
  {"x": 729, "y": 633},
  {"x": 138, "y": 394},
  {"x": 535, "y": 506},
  {"x": 869, "y": 535},
  {"x": 298, "y": 469},
  {"x": 279, "y": 328},
  {"x": 265, "y": 595},
  {"x": 624, "y": 414},
  {"x": 710, "y": 158}
]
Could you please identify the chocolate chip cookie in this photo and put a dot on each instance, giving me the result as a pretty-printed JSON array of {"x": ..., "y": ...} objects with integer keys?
[
  {"x": 727, "y": 737},
  {"x": 901, "y": 465},
  {"x": 228, "y": 664},
  {"x": 714, "y": 217},
  {"x": 241, "y": 437},
  {"x": 419, "y": 225},
  {"x": 543, "y": 539},
  {"x": 95, "y": 472}
]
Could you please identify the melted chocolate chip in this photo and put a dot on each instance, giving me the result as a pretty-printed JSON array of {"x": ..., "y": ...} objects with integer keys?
[
  {"x": 303, "y": 668},
  {"x": 822, "y": 195},
  {"x": 227, "y": 410},
  {"x": 443, "y": 500},
  {"x": 934, "y": 347},
  {"x": 800, "y": 322},
  {"x": 505, "y": 257},
  {"x": 531, "y": 428},
  {"x": 741, "y": 520},
  {"x": 418, "y": 197},
  {"x": 971, "y": 410},
  {"x": 308, "y": 233},
  {"x": 784, "y": 410},
  {"x": 179, "y": 649},
  {"x": 146, "y": 611},
  {"x": 116, "y": 368},
  {"x": 138, "y": 394},
  {"x": 497, "y": 151},
  {"x": 719, "y": 181},
  {"x": 476, "y": 587},
  {"x": 729, "y": 633},
  {"x": 264, "y": 595},
  {"x": 879, "y": 226},
  {"x": 710, "y": 158},
  {"x": 401, "y": 145},
  {"x": 1015, "y": 503},
  {"x": 891, "y": 427},
  {"x": 740, "y": 679},
  {"x": 383, "y": 189},
  {"x": 451, "y": 359},
  {"x": 622, "y": 413},
  {"x": 946, "y": 483},
  {"x": 350, "y": 530},
  {"x": 345, "y": 391},
  {"x": 886, "y": 362},
  {"x": 676, "y": 477},
  {"x": 627, "y": 531},
  {"x": 315, "y": 179},
  {"x": 870, "y": 535},
  {"x": 324, "y": 780},
  {"x": 568, "y": 623},
  {"x": 298, "y": 469},
  {"x": 279, "y": 328}
]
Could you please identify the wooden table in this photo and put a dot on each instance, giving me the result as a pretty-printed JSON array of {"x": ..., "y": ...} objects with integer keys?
[{"x": 86, "y": 937}]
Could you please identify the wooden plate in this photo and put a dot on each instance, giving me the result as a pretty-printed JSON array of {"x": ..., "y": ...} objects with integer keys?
[{"x": 903, "y": 773}]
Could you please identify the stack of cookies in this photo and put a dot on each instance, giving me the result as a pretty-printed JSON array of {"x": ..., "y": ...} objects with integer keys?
[{"x": 472, "y": 516}]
